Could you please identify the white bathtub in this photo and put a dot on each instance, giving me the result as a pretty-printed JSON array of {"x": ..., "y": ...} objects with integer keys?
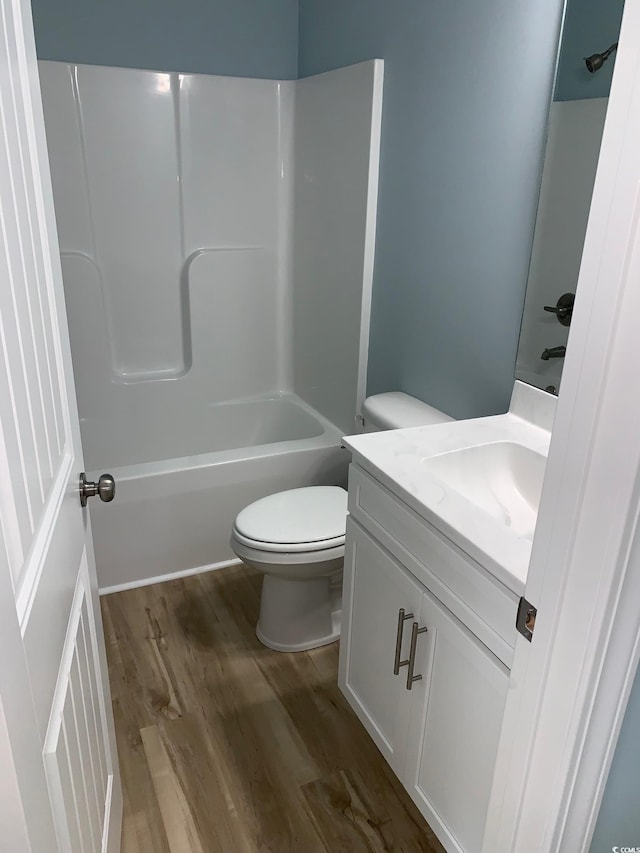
[{"x": 175, "y": 505}]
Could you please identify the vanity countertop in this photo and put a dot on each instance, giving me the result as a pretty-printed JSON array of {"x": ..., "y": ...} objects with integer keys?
[{"x": 399, "y": 459}]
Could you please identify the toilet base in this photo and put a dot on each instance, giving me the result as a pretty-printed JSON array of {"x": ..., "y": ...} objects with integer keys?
[{"x": 296, "y": 615}]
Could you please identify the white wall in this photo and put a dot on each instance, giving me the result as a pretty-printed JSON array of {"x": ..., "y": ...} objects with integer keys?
[
  {"x": 575, "y": 133},
  {"x": 174, "y": 201},
  {"x": 337, "y": 146}
]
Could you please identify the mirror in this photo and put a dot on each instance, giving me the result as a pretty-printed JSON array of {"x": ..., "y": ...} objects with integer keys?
[{"x": 576, "y": 121}]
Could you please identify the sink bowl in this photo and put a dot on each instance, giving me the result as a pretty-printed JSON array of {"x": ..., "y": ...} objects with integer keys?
[{"x": 504, "y": 479}]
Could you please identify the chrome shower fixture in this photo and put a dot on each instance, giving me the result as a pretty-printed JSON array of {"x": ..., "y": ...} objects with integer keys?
[{"x": 596, "y": 61}]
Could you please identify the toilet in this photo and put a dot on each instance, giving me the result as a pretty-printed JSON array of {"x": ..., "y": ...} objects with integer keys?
[{"x": 296, "y": 539}]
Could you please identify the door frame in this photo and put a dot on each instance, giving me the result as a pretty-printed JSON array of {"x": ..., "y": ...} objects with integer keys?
[{"x": 569, "y": 688}]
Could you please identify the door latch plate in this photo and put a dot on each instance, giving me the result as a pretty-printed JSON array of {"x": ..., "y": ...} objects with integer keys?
[{"x": 526, "y": 618}]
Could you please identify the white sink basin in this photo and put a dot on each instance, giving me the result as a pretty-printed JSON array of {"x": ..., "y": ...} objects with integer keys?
[
  {"x": 504, "y": 479},
  {"x": 477, "y": 481}
]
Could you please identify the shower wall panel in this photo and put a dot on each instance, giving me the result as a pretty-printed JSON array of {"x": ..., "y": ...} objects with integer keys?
[
  {"x": 173, "y": 205},
  {"x": 128, "y": 136},
  {"x": 177, "y": 218},
  {"x": 337, "y": 145}
]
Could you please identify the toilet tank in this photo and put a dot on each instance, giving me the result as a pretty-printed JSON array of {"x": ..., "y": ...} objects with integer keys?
[{"x": 396, "y": 410}]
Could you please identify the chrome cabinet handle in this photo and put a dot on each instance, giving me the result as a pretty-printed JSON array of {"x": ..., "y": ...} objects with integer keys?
[
  {"x": 402, "y": 618},
  {"x": 412, "y": 654}
]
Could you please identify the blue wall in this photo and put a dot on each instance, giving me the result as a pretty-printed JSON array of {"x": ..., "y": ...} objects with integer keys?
[
  {"x": 466, "y": 96},
  {"x": 619, "y": 819},
  {"x": 591, "y": 26},
  {"x": 241, "y": 38}
]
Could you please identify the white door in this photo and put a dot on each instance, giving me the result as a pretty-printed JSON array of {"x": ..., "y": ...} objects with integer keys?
[
  {"x": 374, "y": 648},
  {"x": 59, "y": 783}
]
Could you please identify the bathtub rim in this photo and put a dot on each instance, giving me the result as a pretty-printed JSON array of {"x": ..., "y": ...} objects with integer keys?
[{"x": 329, "y": 437}]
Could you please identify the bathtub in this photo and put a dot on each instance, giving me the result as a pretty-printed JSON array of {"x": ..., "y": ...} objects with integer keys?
[{"x": 175, "y": 504}]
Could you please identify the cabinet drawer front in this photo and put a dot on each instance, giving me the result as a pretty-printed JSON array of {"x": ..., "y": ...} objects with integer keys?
[{"x": 481, "y": 602}]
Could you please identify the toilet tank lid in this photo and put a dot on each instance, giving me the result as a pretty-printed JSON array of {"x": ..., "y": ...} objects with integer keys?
[{"x": 397, "y": 410}]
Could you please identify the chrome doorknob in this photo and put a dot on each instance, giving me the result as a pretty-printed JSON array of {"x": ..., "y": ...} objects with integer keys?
[{"x": 105, "y": 488}]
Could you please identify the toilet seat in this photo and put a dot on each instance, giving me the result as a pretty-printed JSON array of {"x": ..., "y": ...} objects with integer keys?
[
  {"x": 296, "y": 521},
  {"x": 289, "y": 564},
  {"x": 288, "y": 547}
]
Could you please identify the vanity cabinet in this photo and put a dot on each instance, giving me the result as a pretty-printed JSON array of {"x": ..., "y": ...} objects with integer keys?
[{"x": 440, "y": 731}]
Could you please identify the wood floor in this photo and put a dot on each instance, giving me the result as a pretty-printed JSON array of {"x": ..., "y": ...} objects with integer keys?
[{"x": 227, "y": 746}]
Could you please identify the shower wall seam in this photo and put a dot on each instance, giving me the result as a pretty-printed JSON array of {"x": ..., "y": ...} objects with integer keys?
[
  {"x": 286, "y": 149},
  {"x": 183, "y": 284}
]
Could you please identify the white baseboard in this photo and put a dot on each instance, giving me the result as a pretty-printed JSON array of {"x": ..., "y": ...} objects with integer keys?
[{"x": 184, "y": 573}]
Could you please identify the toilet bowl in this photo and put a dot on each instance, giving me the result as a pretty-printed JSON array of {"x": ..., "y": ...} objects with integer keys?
[{"x": 296, "y": 539}]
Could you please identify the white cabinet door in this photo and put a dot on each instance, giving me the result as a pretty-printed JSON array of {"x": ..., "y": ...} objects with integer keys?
[
  {"x": 58, "y": 765},
  {"x": 455, "y": 725},
  {"x": 376, "y": 588}
]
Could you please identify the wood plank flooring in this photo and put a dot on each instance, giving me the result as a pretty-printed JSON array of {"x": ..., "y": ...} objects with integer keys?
[{"x": 227, "y": 746}]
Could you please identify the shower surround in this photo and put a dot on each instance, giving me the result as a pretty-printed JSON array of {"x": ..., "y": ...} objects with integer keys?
[{"x": 217, "y": 239}]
